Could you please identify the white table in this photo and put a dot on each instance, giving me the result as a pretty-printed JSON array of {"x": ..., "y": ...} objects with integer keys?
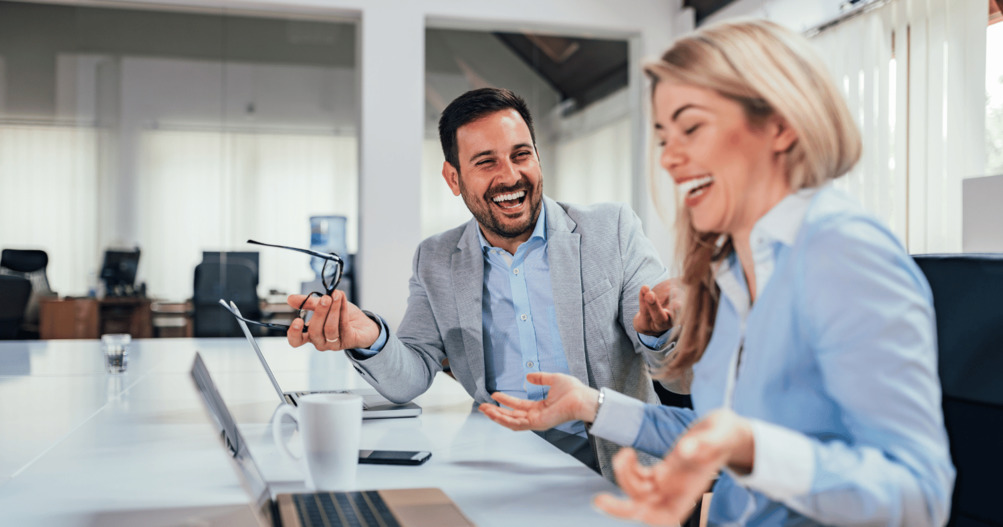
[{"x": 79, "y": 446}]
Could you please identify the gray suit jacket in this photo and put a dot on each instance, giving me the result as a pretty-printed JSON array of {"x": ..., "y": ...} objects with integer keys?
[{"x": 599, "y": 259}]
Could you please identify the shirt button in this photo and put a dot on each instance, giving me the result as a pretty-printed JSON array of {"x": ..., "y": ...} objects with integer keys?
[
  {"x": 529, "y": 364},
  {"x": 516, "y": 270},
  {"x": 524, "y": 317}
]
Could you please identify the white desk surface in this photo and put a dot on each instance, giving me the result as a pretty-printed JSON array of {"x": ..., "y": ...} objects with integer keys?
[{"x": 81, "y": 447}]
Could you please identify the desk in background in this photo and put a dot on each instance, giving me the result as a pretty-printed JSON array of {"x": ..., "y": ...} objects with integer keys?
[
  {"x": 81, "y": 447},
  {"x": 88, "y": 318}
]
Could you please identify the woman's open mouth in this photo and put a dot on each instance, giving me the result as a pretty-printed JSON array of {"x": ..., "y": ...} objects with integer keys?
[{"x": 694, "y": 189}]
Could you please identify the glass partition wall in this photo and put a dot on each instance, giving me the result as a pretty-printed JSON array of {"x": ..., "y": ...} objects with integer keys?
[{"x": 175, "y": 132}]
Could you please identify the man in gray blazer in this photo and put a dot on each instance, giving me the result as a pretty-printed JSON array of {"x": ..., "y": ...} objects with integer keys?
[{"x": 528, "y": 285}]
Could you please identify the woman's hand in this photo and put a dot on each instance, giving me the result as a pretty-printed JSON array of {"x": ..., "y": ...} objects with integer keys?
[
  {"x": 666, "y": 493},
  {"x": 567, "y": 400}
]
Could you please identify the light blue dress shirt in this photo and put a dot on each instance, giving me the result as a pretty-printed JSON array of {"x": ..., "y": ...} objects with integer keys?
[
  {"x": 837, "y": 377},
  {"x": 517, "y": 310},
  {"x": 519, "y": 320},
  {"x": 520, "y": 324}
]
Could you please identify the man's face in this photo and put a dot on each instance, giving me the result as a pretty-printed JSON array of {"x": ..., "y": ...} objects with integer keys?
[{"x": 499, "y": 176}]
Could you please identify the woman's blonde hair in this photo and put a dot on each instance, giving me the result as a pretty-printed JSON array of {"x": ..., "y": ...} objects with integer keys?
[{"x": 769, "y": 70}]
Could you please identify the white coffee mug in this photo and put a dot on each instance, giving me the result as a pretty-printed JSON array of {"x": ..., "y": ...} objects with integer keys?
[{"x": 329, "y": 425}]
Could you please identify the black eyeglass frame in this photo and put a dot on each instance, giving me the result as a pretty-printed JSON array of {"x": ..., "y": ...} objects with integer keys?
[{"x": 328, "y": 287}]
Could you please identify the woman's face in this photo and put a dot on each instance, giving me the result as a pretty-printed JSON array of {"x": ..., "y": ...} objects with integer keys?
[{"x": 729, "y": 172}]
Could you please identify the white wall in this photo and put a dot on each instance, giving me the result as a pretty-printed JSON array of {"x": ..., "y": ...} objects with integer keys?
[
  {"x": 392, "y": 106},
  {"x": 798, "y": 15},
  {"x": 981, "y": 198},
  {"x": 391, "y": 62}
]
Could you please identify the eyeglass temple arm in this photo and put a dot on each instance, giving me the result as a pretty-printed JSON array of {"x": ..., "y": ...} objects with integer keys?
[
  {"x": 329, "y": 256},
  {"x": 263, "y": 324}
]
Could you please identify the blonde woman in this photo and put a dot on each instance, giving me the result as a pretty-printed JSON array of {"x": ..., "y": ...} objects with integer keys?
[{"x": 808, "y": 329}]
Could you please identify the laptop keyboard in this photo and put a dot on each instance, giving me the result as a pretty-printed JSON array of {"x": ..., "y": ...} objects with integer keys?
[
  {"x": 369, "y": 400},
  {"x": 344, "y": 509}
]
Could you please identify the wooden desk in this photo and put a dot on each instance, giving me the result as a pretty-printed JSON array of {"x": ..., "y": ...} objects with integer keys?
[
  {"x": 172, "y": 319},
  {"x": 89, "y": 318},
  {"x": 68, "y": 318}
]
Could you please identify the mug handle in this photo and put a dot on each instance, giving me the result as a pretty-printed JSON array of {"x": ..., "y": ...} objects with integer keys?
[{"x": 283, "y": 411}]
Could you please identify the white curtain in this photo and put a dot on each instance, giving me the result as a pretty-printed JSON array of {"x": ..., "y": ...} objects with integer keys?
[
  {"x": 911, "y": 72},
  {"x": 49, "y": 199},
  {"x": 594, "y": 167},
  {"x": 206, "y": 190},
  {"x": 440, "y": 209}
]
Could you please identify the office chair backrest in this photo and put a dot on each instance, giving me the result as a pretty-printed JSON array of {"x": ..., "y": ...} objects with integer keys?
[
  {"x": 232, "y": 281},
  {"x": 30, "y": 264},
  {"x": 968, "y": 299},
  {"x": 14, "y": 294},
  {"x": 24, "y": 260}
]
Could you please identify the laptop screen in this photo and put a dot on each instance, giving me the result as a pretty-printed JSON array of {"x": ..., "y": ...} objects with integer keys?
[
  {"x": 232, "y": 308},
  {"x": 253, "y": 481}
]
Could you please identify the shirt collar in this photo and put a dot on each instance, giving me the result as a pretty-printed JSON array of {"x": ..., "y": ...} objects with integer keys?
[
  {"x": 539, "y": 231},
  {"x": 780, "y": 224},
  {"x": 783, "y": 221}
]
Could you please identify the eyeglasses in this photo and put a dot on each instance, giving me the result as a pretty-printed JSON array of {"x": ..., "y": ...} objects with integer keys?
[{"x": 330, "y": 277}]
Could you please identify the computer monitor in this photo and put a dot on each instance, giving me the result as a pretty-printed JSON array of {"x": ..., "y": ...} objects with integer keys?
[
  {"x": 250, "y": 258},
  {"x": 118, "y": 271}
]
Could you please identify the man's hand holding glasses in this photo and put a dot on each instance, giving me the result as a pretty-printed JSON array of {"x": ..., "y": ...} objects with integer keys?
[{"x": 336, "y": 323}]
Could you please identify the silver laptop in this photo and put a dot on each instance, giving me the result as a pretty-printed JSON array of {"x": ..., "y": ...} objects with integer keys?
[
  {"x": 421, "y": 507},
  {"x": 374, "y": 405}
]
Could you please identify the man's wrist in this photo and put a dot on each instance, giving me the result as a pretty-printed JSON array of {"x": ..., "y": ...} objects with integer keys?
[
  {"x": 379, "y": 328},
  {"x": 592, "y": 410},
  {"x": 382, "y": 334}
]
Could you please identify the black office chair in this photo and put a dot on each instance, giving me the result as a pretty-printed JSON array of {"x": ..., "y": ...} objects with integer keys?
[
  {"x": 231, "y": 281},
  {"x": 30, "y": 264},
  {"x": 968, "y": 299},
  {"x": 14, "y": 294}
]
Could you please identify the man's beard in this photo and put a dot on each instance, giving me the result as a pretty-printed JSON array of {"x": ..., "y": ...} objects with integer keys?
[{"x": 485, "y": 211}]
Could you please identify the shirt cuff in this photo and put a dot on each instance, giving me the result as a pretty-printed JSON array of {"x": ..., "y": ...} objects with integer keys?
[
  {"x": 619, "y": 418},
  {"x": 365, "y": 353},
  {"x": 655, "y": 343},
  {"x": 784, "y": 462}
]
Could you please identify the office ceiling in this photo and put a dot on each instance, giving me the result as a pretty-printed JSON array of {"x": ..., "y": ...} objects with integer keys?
[
  {"x": 581, "y": 70},
  {"x": 584, "y": 70},
  {"x": 705, "y": 8}
]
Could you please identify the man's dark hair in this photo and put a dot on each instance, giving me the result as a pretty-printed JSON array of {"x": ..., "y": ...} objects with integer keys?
[{"x": 470, "y": 107}]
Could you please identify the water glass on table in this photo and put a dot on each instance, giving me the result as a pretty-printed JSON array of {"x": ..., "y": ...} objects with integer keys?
[{"x": 116, "y": 351}]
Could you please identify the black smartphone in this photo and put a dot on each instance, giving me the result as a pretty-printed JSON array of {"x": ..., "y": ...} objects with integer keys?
[{"x": 393, "y": 457}]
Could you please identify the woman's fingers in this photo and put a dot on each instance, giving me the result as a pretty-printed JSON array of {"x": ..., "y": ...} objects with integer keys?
[
  {"x": 616, "y": 507},
  {"x": 633, "y": 478}
]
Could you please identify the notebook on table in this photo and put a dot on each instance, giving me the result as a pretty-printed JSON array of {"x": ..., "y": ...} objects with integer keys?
[
  {"x": 374, "y": 405},
  {"x": 421, "y": 507}
]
